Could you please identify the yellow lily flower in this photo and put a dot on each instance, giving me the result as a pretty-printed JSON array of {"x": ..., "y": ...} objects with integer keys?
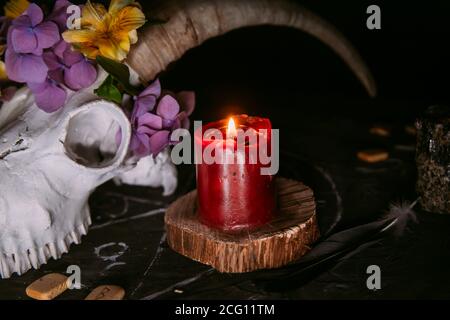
[
  {"x": 14, "y": 8},
  {"x": 3, "y": 75},
  {"x": 107, "y": 33}
]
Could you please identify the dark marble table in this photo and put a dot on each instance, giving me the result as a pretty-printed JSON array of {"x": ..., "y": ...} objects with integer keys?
[{"x": 126, "y": 244}]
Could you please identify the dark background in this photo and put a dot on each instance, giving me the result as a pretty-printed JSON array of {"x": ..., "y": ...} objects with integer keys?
[
  {"x": 408, "y": 57},
  {"x": 324, "y": 116}
]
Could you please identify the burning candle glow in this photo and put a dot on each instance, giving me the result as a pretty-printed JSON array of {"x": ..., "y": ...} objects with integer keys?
[
  {"x": 233, "y": 194},
  {"x": 231, "y": 129}
]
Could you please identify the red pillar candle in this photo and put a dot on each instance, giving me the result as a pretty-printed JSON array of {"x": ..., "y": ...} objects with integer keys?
[{"x": 233, "y": 194}]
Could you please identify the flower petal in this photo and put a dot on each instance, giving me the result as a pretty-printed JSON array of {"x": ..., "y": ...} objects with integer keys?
[
  {"x": 37, "y": 87},
  {"x": 129, "y": 18},
  {"x": 25, "y": 67},
  {"x": 150, "y": 120},
  {"x": 133, "y": 36},
  {"x": 70, "y": 57},
  {"x": 182, "y": 121},
  {"x": 79, "y": 36},
  {"x": 146, "y": 130},
  {"x": 48, "y": 96},
  {"x": 47, "y": 34},
  {"x": 88, "y": 50},
  {"x": 67, "y": 56},
  {"x": 57, "y": 75},
  {"x": 61, "y": 4},
  {"x": 186, "y": 99},
  {"x": 116, "y": 5},
  {"x": 81, "y": 75},
  {"x": 168, "y": 108},
  {"x": 124, "y": 41},
  {"x": 13, "y": 66},
  {"x": 3, "y": 75},
  {"x": 134, "y": 142},
  {"x": 111, "y": 49},
  {"x": 22, "y": 21},
  {"x": 34, "y": 68},
  {"x": 59, "y": 14},
  {"x": 59, "y": 48},
  {"x": 153, "y": 89},
  {"x": 185, "y": 123},
  {"x": 92, "y": 15},
  {"x": 140, "y": 144},
  {"x": 142, "y": 106},
  {"x": 35, "y": 13},
  {"x": 51, "y": 59},
  {"x": 15, "y": 8},
  {"x": 23, "y": 40},
  {"x": 119, "y": 137},
  {"x": 159, "y": 141}
]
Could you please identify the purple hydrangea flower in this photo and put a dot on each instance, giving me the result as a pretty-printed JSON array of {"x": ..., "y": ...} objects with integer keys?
[
  {"x": 30, "y": 34},
  {"x": 59, "y": 14},
  {"x": 179, "y": 119},
  {"x": 48, "y": 95},
  {"x": 146, "y": 100},
  {"x": 69, "y": 67},
  {"x": 36, "y": 56},
  {"x": 25, "y": 67},
  {"x": 152, "y": 128}
]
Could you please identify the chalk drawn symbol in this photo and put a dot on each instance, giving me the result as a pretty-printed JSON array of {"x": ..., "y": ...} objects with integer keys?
[{"x": 110, "y": 252}]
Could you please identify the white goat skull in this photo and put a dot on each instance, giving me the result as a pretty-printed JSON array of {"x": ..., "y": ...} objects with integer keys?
[{"x": 49, "y": 166}]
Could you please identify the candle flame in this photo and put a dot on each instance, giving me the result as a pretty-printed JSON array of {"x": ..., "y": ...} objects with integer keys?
[{"x": 231, "y": 130}]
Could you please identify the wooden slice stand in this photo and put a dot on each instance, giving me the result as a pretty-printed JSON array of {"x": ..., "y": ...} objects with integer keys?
[{"x": 284, "y": 239}]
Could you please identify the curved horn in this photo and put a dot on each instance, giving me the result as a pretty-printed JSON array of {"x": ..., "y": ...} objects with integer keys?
[{"x": 190, "y": 23}]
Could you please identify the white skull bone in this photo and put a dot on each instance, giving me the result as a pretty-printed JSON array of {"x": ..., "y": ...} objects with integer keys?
[{"x": 49, "y": 166}]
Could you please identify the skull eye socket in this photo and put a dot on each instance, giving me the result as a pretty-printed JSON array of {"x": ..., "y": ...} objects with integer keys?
[{"x": 91, "y": 138}]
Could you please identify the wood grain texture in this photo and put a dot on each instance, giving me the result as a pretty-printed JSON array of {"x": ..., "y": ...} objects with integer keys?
[
  {"x": 106, "y": 292},
  {"x": 286, "y": 238},
  {"x": 47, "y": 287}
]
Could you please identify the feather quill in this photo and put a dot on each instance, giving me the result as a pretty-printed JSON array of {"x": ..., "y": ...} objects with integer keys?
[{"x": 397, "y": 222}]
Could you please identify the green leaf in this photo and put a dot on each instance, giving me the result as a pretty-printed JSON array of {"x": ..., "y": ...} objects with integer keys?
[
  {"x": 119, "y": 72},
  {"x": 108, "y": 90}
]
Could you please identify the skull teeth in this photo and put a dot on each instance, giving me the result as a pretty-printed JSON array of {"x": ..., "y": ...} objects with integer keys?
[{"x": 35, "y": 257}]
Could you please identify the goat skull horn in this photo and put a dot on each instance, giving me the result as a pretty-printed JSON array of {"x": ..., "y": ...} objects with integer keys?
[{"x": 190, "y": 23}]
